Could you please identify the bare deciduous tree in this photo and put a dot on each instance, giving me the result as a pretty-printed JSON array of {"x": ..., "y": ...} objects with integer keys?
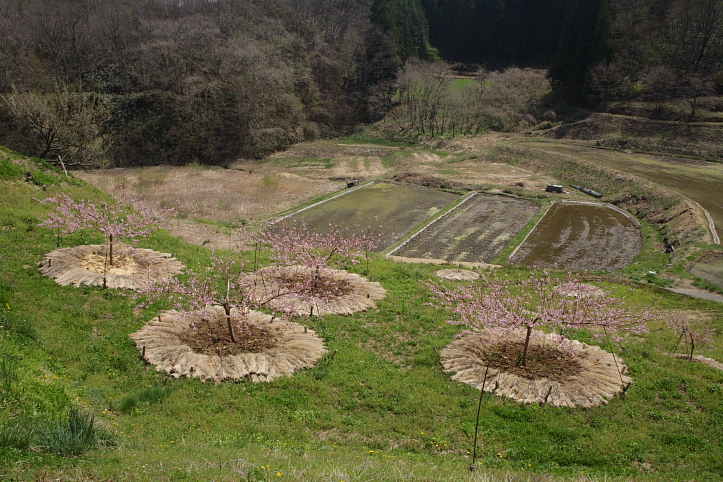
[
  {"x": 660, "y": 84},
  {"x": 62, "y": 123},
  {"x": 693, "y": 87},
  {"x": 607, "y": 81}
]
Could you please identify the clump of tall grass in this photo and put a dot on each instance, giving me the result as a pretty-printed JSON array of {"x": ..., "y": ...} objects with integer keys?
[
  {"x": 74, "y": 434},
  {"x": 16, "y": 435},
  {"x": 150, "y": 395},
  {"x": 8, "y": 377}
]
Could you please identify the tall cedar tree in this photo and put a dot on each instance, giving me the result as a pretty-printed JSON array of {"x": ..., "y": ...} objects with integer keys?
[
  {"x": 405, "y": 22},
  {"x": 584, "y": 41}
]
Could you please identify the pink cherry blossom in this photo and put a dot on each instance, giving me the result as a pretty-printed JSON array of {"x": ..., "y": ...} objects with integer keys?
[
  {"x": 695, "y": 333},
  {"x": 224, "y": 283},
  {"x": 124, "y": 218},
  {"x": 505, "y": 306}
]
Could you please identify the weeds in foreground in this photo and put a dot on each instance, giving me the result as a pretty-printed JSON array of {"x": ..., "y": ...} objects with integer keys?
[
  {"x": 131, "y": 403},
  {"x": 75, "y": 434},
  {"x": 16, "y": 435}
]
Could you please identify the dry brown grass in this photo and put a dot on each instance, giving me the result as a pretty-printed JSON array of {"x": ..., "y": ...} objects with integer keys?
[{"x": 214, "y": 193}]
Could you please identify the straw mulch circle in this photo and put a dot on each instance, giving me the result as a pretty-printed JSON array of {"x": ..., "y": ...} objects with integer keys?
[
  {"x": 457, "y": 274},
  {"x": 277, "y": 348},
  {"x": 588, "y": 379},
  {"x": 700, "y": 359},
  {"x": 87, "y": 265},
  {"x": 351, "y": 292}
]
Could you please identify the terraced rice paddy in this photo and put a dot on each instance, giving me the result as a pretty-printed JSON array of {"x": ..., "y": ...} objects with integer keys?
[
  {"x": 581, "y": 236},
  {"x": 476, "y": 231},
  {"x": 394, "y": 209}
]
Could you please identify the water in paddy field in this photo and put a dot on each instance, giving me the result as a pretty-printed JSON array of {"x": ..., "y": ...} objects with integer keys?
[
  {"x": 701, "y": 181},
  {"x": 710, "y": 269},
  {"x": 580, "y": 237},
  {"x": 394, "y": 209}
]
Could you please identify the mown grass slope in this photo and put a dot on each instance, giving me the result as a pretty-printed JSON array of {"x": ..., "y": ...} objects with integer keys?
[{"x": 380, "y": 409}]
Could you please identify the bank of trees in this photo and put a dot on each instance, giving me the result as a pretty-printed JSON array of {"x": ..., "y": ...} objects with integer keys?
[
  {"x": 155, "y": 81},
  {"x": 433, "y": 100},
  {"x": 163, "y": 81}
]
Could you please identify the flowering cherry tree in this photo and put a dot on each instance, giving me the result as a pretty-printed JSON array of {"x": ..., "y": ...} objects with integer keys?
[
  {"x": 224, "y": 283},
  {"x": 120, "y": 219},
  {"x": 504, "y": 306},
  {"x": 293, "y": 243},
  {"x": 315, "y": 253},
  {"x": 695, "y": 333}
]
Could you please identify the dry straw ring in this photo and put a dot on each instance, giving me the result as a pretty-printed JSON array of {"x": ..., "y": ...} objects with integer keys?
[
  {"x": 700, "y": 359},
  {"x": 295, "y": 348},
  {"x": 457, "y": 274},
  {"x": 598, "y": 380},
  {"x": 87, "y": 265},
  {"x": 360, "y": 293}
]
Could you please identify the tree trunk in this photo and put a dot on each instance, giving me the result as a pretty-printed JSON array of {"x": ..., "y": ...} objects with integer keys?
[
  {"x": 527, "y": 344},
  {"x": 227, "y": 310},
  {"x": 110, "y": 252}
]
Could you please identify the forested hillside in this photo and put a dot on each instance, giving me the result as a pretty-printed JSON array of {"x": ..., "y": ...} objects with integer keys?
[
  {"x": 158, "y": 81},
  {"x": 151, "y": 81}
]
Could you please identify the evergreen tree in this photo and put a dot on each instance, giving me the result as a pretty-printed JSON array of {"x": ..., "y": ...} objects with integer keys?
[
  {"x": 584, "y": 41},
  {"x": 405, "y": 22},
  {"x": 530, "y": 30}
]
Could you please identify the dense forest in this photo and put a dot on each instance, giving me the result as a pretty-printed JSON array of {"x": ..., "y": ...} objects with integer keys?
[{"x": 132, "y": 82}]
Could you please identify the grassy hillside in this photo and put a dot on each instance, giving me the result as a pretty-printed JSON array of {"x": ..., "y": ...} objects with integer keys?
[{"x": 380, "y": 409}]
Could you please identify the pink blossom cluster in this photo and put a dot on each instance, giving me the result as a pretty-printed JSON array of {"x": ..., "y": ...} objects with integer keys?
[
  {"x": 293, "y": 243},
  {"x": 505, "y": 306},
  {"x": 223, "y": 283},
  {"x": 695, "y": 333},
  {"x": 121, "y": 219}
]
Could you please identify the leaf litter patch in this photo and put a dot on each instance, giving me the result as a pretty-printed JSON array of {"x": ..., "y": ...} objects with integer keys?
[
  {"x": 332, "y": 291},
  {"x": 88, "y": 265},
  {"x": 213, "y": 338}
]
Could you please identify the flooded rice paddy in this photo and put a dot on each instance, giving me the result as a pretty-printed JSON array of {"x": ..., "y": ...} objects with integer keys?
[
  {"x": 581, "y": 236},
  {"x": 394, "y": 209},
  {"x": 701, "y": 181}
]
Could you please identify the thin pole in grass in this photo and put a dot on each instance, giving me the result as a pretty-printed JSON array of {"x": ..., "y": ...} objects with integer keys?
[
  {"x": 617, "y": 367},
  {"x": 682, "y": 334},
  {"x": 472, "y": 466}
]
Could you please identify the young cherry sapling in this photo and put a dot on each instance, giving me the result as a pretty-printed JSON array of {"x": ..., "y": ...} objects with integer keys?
[
  {"x": 504, "y": 306},
  {"x": 224, "y": 283},
  {"x": 120, "y": 219}
]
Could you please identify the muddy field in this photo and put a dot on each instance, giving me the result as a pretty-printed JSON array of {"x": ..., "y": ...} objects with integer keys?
[
  {"x": 393, "y": 209},
  {"x": 248, "y": 193},
  {"x": 710, "y": 268},
  {"x": 699, "y": 180},
  {"x": 476, "y": 231},
  {"x": 580, "y": 237}
]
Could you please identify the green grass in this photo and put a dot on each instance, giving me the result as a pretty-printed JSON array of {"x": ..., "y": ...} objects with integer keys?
[
  {"x": 373, "y": 139},
  {"x": 380, "y": 409},
  {"x": 461, "y": 83}
]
